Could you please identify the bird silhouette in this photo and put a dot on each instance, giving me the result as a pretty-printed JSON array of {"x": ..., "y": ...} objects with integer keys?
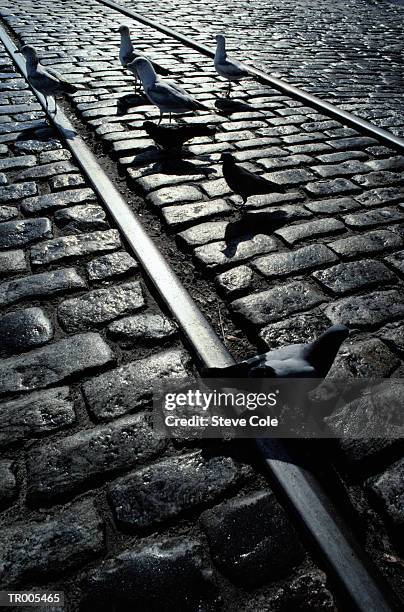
[
  {"x": 231, "y": 70},
  {"x": 311, "y": 360},
  {"x": 46, "y": 80},
  {"x": 174, "y": 136},
  {"x": 127, "y": 54},
  {"x": 243, "y": 182},
  {"x": 166, "y": 95}
]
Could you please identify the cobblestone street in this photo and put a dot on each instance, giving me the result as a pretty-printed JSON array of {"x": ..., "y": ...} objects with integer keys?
[{"x": 93, "y": 502}]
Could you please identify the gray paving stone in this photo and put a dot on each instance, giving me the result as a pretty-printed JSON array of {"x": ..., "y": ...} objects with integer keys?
[
  {"x": 392, "y": 163},
  {"x": 251, "y": 540},
  {"x": 23, "y": 232},
  {"x": 235, "y": 280},
  {"x": 219, "y": 254},
  {"x": 138, "y": 500},
  {"x": 10, "y": 193},
  {"x": 289, "y": 177},
  {"x": 75, "y": 246},
  {"x": 41, "y": 285},
  {"x": 22, "y": 330},
  {"x": 12, "y": 262},
  {"x": 364, "y": 359},
  {"x": 110, "y": 266},
  {"x": 100, "y": 306},
  {"x": 333, "y": 187},
  {"x": 294, "y": 262},
  {"x": 48, "y": 157},
  {"x": 130, "y": 386},
  {"x": 176, "y": 567},
  {"x": 81, "y": 218},
  {"x": 383, "y": 195},
  {"x": 397, "y": 261},
  {"x": 53, "y": 201},
  {"x": 64, "y": 181},
  {"x": 202, "y": 234},
  {"x": 367, "y": 310},
  {"x": 174, "y": 194},
  {"x": 306, "y": 592},
  {"x": 393, "y": 335},
  {"x": 352, "y": 143},
  {"x": 373, "y": 217},
  {"x": 142, "y": 327},
  {"x": 346, "y": 277},
  {"x": 378, "y": 179},
  {"x": 8, "y": 212},
  {"x": 88, "y": 456},
  {"x": 53, "y": 363},
  {"x": 46, "y": 170},
  {"x": 14, "y": 163},
  {"x": 271, "y": 199},
  {"x": 8, "y": 483},
  {"x": 274, "y": 304},
  {"x": 176, "y": 216},
  {"x": 303, "y": 327},
  {"x": 35, "y": 415},
  {"x": 332, "y": 206},
  {"x": 334, "y": 158},
  {"x": 345, "y": 168},
  {"x": 38, "y": 550},
  {"x": 388, "y": 488},
  {"x": 303, "y": 231},
  {"x": 370, "y": 242}
]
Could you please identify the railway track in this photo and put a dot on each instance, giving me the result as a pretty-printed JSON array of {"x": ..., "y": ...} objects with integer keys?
[{"x": 358, "y": 582}]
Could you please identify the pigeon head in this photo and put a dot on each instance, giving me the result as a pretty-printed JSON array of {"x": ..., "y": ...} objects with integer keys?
[
  {"x": 322, "y": 352},
  {"x": 227, "y": 158},
  {"x": 220, "y": 39},
  {"x": 123, "y": 29},
  {"x": 145, "y": 71},
  {"x": 28, "y": 52}
]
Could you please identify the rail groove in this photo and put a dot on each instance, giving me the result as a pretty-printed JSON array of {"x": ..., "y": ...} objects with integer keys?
[{"x": 357, "y": 579}]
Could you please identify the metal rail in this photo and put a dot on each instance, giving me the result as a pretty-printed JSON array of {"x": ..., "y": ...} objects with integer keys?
[
  {"x": 353, "y": 571},
  {"x": 359, "y": 124}
]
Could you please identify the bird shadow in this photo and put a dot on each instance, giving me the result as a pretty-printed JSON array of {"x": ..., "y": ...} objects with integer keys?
[
  {"x": 227, "y": 106},
  {"x": 124, "y": 103},
  {"x": 249, "y": 225},
  {"x": 181, "y": 166}
]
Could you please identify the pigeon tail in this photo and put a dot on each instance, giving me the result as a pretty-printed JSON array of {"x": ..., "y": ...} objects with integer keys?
[{"x": 322, "y": 352}]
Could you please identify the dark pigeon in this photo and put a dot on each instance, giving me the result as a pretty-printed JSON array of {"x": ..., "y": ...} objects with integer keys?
[
  {"x": 242, "y": 181},
  {"x": 174, "y": 136},
  {"x": 312, "y": 360}
]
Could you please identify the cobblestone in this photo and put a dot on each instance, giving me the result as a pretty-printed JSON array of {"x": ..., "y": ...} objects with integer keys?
[
  {"x": 100, "y": 306},
  {"x": 81, "y": 218},
  {"x": 12, "y": 262},
  {"x": 347, "y": 277},
  {"x": 34, "y": 415},
  {"x": 273, "y": 304},
  {"x": 370, "y": 242},
  {"x": 367, "y": 310},
  {"x": 180, "y": 576},
  {"x": 294, "y": 262},
  {"x": 24, "y": 329},
  {"x": 8, "y": 483},
  {"x": 53, "y": 201},
  {"x": 141, "y": 328},
  {"x": 219, "y": 254},
  {"x": 54, "y": 363},
  {"x": 10, "y": 193},
  {"x": 110, "y": 266},
  {"x": 20, "y": 233},
  {"x": 41, "y": 285},
  {"x": 74, "y": 246},
  {"x": 303, "y": 231},
  {"x": 139, "y": 501},
  {"x": 36, "y": 551},
  {"x": 251, "y": 540},
  {"x": 130, "y": 386},
  {"x": 389, "y": 490},
  {"x": 83, "y": 458}
]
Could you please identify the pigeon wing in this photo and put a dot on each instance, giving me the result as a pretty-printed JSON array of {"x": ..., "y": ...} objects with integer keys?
[
  {"x": 233, "y": 69},
  {"x": 166, "y": 96}
]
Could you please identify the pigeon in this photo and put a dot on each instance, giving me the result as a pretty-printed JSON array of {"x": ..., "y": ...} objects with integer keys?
[
  {"x": 127, "y": 54},
  {"x": 166, "y": 95},
  {"x": 46, "y": 80},
  {"x": 229, "y": 69},
  {"x": 312, "y": 360},
  {"x": 173, "y": 137},
  {"x": 242, "y": 181}
]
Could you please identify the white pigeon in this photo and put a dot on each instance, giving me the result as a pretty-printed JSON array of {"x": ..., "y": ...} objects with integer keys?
[
  {"x": 232, "y": 70},
  {"x": 46, "y": 80},
  {"x": 127, "y": 54},
  {"x": 166, "y": 95}
]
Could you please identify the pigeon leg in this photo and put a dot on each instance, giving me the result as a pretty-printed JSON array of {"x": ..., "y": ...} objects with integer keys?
[
  {"x": 170, "y": 117},
  {"x": 228, "y": 90},
  {"x": 55, "y": 106},
  {"x": 46, "y": 102},
  {"x": 161, "y": 116}
]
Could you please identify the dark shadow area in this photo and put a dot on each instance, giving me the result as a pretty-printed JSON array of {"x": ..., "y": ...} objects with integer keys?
[
  {"x": 228, "y": 106},
  {"x": 131, "y": 101},
  {"x": 260, "y": 222}
]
